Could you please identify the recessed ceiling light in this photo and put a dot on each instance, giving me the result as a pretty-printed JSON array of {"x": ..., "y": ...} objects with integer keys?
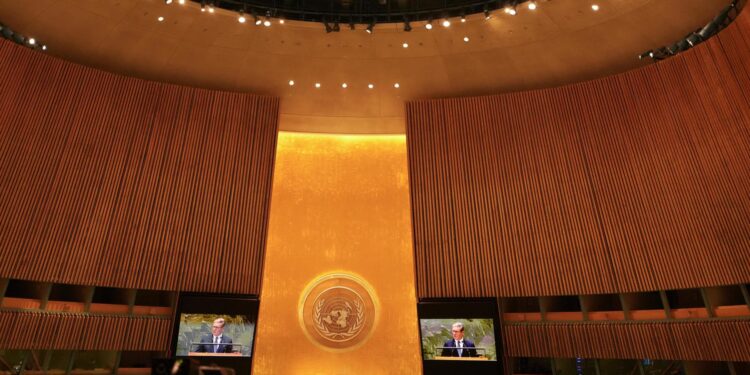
[
  {"x": 428, "y": 26},
  {"x": 595, "y": 7},
  {"x": 291, "y": 82},
  {"x": 167, "y": 2},
  {"x": 405, "y": 45},
  {"x": 160, "y": 19},
  {"x": 446, "y": 23},
  {"x": 267, "y": 23},
  {"x": 241, "y": 19},
  {"x": 44, "y": 47},
  {"x": 211, "y": 9},
  {"x": 344, "y": 85},
  {"x": 396, "y": 85},
  {"x": 281, "y": 21},
  {"x": 317, "y": 85},
  {"x": 32, "y": 41},
  {"x": 466, "y": 39},
  {"x": 370, "y": 86},
  {"x": 182, "y": 2},
  {"x": 532, "y": 5}
]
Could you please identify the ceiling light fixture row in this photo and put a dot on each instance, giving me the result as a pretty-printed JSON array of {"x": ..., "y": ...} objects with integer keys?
[
  {"x": 333, "y": 13},
  {"x": 21, "y": 39},
  {"x": 343, "y": 85}
]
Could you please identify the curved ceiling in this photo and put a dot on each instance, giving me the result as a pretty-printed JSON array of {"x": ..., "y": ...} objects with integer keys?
[{"x": 562, "y": 41}]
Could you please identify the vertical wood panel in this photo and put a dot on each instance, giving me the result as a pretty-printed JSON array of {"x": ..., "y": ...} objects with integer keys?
[
  {"x": 71, "y": 331},
  {"x": 634, "y": 182},
  {"x": 714, "y": 340},
  {"x": 114, "y": 181}
]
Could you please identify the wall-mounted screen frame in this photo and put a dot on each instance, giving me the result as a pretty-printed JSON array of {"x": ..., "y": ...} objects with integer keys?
[
  {"x": 460, "y": 336},
  {"x": 216, "y": 330}
]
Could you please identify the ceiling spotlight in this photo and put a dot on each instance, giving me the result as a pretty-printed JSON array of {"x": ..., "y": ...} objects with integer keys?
[
  {"x": 32, "y": 41},
  {"x": 428, "y": 25},
  {"x": 182, "y": 2},
  {"x": 336, "y": 27},
  {"x": 160, "y": 19},
  {"x": 486, "y": 12},
  {"x": 167, "y": 2},
  {"x": 446, "y": 23},
  {"x": 241, "y": 18},
  {"x": 370, "y": 86},
  {"x": 44, "y": 47},
  {"x": 407, "y": 25},
  {"x": 267, "y": 23},
  {"x": 258, "y": 21},
  {"x": 396, "y": 85},
  {"x": 291, "y": 82},
  {"x": 203, "y": 6},
  {"x": 317, "y": 85},
  {"x": 532, "y": 5},
  {"x": 405, "y": 45},
  {"x": 463, "y": 17},
  {"x": 466, "y": 39},
  {"x": 281, "y": 21},
  {"x": 370, "y": 27},
  {"x": 328, "y": 27},
  {"x": 510, "y": 10},
  {"x": 595, "y": 7},
  {"x": 344, "y": 85},
  {"x": 211, "y": 9}
]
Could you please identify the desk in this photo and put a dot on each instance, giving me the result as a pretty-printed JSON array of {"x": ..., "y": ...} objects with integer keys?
[
  {"x": 439, "y": 358},
  {"x": 203, "y": 354}
]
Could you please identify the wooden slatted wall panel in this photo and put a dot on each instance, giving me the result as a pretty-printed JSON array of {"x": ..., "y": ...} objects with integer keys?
[
  {"x": 634, "y": 182},
  {"x": 82, "y": 332},
  {"x": 714, "y": 340},
  {"x": 115, "y": 181}
]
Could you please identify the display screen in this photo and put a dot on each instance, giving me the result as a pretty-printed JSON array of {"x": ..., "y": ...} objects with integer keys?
[
  {"x": 215, "y": 334},
  {"x": 216, "y": 331},
  {"x": 458, "y": 339},
  {"x": 460, "y": 336}
]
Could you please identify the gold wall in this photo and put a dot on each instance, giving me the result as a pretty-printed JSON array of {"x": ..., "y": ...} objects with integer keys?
[{"x": 340, "y": 203}]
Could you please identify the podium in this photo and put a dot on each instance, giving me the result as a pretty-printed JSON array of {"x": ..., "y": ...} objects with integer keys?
[
  {"x": 441, "y": 358},
  {"x": 236, "y": 350},
  {"x": 480, "y": 352},
  {"x": 204, "y": 354}
]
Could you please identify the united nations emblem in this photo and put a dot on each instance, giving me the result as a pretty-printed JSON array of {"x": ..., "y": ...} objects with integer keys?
[{"x": 338, "y": 311}]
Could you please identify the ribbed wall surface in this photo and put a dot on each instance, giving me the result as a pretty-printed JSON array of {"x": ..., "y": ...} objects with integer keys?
[
  {"x": 114, "y": 181},
  {"x": 717, "y": 340},
  {"x": 40, "y": 330},
  {"x": 635, "y": 182}
]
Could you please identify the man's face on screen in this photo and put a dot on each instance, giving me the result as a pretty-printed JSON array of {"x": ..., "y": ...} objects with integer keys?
[
  {"x": 217, "y": 328},
  {"x": 458, "y": 333}
]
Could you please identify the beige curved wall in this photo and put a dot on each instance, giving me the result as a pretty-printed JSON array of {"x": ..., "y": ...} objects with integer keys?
[{"x": 561, "y": 42}]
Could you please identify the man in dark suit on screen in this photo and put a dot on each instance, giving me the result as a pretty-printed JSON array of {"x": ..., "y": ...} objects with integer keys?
[
  {"x": 217, "y": 341},
  {"x": 458, "y": 346}
]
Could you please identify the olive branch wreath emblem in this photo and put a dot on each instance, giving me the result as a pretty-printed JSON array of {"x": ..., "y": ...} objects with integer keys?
[{"x": 351, "y": 332}]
